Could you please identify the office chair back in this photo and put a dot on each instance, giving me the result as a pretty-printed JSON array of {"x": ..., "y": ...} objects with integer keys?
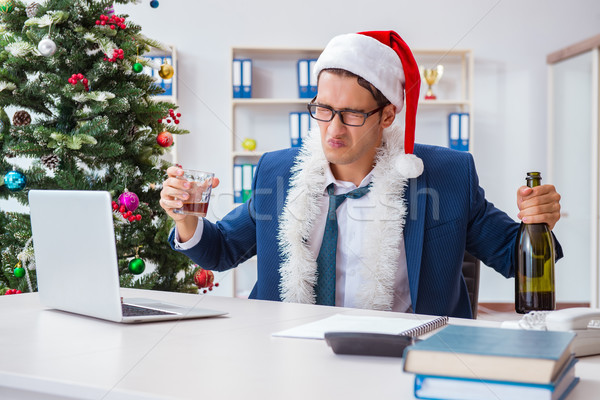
[{"x": 470, "y": 271}]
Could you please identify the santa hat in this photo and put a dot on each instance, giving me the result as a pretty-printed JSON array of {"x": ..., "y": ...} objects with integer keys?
[{"x": 385, "y": 61}]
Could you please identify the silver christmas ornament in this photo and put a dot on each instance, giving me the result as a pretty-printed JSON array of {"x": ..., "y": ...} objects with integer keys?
[{"x": 47, "y": 47}]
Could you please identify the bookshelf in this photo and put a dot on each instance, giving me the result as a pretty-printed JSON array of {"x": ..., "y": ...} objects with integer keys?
[
  {"x": 454, "y": 94},
  {"x": 265, "y": 116}
]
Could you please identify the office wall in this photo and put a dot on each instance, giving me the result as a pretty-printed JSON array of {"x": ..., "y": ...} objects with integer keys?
[{"x": 510, "y": 40}]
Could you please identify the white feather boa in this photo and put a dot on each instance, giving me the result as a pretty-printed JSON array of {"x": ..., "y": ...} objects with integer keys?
[{"x": 392, "y": 170}]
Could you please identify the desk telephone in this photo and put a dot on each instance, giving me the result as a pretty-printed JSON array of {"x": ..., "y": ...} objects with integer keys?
[{"x": 584, "y": 322}]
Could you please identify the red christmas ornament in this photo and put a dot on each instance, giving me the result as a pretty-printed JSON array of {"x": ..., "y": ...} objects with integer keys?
[
  {"x": 12, "y": 291},
  {"x": 204, "y": 279},
  {"x": 165, "y": 139}
]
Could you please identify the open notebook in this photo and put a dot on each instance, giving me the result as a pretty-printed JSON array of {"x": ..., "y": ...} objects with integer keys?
[{"x": 416, "y": 326}]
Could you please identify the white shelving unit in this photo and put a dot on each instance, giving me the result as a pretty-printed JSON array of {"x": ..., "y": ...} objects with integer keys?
[{"x": 265, "y": 116}]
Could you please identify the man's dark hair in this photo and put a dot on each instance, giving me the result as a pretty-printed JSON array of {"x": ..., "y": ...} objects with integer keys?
[{"x": 377, "y": 95}]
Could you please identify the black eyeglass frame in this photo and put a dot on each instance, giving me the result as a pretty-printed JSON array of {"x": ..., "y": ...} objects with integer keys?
[{"x": 339, "y": 112}]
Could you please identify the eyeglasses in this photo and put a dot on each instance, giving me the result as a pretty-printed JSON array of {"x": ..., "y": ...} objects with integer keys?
[{"x": 348, "y": 117}]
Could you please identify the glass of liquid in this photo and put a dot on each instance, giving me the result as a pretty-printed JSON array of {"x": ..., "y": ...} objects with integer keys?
[{"x": 199, "y": 192}]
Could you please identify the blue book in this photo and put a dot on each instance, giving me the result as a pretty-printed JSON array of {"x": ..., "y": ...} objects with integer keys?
[
  {"x": 236, "y": 78},
  {"x": 246, "y": 182},
  {"x": 237, "y": 184},
  {"x": 312, "y": 79},
  {"x": 491, "y": 353},
  {"x": 167, "y": 84},
  {"x": 458, "y": 131},
  {"x": 295, "y": 139},
  {"x": 449, "y": 388},
  {"x": 304, "y": 79},
  {"x": 304, "y": 126},
  {"x": 247, "y": 79}
]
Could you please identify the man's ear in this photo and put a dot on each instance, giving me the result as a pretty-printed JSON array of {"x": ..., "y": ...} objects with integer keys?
[{"x": 388, "y": 115}]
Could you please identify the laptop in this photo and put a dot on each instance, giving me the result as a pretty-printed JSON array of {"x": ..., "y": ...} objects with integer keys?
[{"x": 76, "y": 260}]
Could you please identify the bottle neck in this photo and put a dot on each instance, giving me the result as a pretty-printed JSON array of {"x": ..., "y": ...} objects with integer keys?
[{"x": 533, "y": 179}]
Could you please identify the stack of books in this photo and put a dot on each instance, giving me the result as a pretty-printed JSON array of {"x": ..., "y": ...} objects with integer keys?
[{"x": 468, "y": 362}]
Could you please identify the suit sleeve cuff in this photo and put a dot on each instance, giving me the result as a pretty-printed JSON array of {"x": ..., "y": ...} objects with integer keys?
[{"x": 194, "y": 240}]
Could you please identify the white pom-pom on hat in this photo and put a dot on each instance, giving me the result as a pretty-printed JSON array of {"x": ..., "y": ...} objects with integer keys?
[{"x": 409, "y": 165}]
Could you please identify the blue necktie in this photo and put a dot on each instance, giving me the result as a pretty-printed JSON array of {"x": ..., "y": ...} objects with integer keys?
[{"x": 326, "y": 259}]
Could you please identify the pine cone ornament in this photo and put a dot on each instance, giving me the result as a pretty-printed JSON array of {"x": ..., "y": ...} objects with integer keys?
[
  {"x": 50, "y": 161},
  {"x": 21, "y": 118},
  {"x": 32, "y": 9},
  {"x": 132, "y": 132}
]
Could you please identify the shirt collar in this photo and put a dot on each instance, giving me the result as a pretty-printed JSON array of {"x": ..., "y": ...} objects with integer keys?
[{"x": 343, "y": 186}]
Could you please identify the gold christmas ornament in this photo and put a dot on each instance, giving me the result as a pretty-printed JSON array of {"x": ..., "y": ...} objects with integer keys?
[{"x": 166, "y": 71}]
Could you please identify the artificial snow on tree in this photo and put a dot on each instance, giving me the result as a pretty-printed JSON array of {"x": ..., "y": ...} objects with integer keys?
[{"x": 88, "y": 122}]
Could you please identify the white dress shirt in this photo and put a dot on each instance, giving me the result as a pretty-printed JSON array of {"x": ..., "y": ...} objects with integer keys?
[{"x": 355, "y": 220}]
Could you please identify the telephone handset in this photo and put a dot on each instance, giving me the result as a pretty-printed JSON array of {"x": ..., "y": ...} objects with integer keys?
[
  {"x": 584, "y": 322},
  {"x": 570, "y": 319}
]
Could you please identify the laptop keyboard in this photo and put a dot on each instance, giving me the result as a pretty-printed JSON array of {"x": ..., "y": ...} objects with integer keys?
[{"x": 135, "y": 311}]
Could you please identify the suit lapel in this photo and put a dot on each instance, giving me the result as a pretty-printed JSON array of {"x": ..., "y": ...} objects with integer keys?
[{"x": 413, "y": 232}]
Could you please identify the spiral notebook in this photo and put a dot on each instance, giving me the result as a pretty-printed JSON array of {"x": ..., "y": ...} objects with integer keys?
[{"x": 415, "y": 326}]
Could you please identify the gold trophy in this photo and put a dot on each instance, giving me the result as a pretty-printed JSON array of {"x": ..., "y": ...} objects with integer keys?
[{"x": 431, "y": 76}]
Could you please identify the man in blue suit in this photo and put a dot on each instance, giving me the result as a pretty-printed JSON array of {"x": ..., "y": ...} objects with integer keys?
[{"x": 360, "y": 216}]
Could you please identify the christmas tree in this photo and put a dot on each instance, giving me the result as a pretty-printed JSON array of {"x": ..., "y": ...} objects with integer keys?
[{"x": 86, "y": 117}]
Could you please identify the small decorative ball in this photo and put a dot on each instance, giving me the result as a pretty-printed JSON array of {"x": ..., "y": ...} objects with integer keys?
[
  {"x": 166, "y": 71},
  {"x": 136, "y": 266},
  {"x": 249, "y": 144},
  {"x": 204, "y": 278},
  {"x": 137, "y": 68},
  {"x": 15, "y": 181},
  {"x": 130, "y": 200},
  {"x": 19, "y": 272},
  {"x": 154, "y": 4},
  {"x": 165, "y": 139},
  {"x": 47, "y": 47},
  {"x": 7, "y": 6}
]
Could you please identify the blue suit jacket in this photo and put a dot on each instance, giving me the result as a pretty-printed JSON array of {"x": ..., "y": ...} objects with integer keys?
[{"x": 447, "y": 213}]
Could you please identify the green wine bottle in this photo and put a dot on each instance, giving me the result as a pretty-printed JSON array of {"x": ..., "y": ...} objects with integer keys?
[{"x": 534, "y": 274}]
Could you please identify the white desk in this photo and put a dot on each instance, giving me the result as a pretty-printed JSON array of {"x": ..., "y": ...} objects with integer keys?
[{"x": 47, "y": 354}]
